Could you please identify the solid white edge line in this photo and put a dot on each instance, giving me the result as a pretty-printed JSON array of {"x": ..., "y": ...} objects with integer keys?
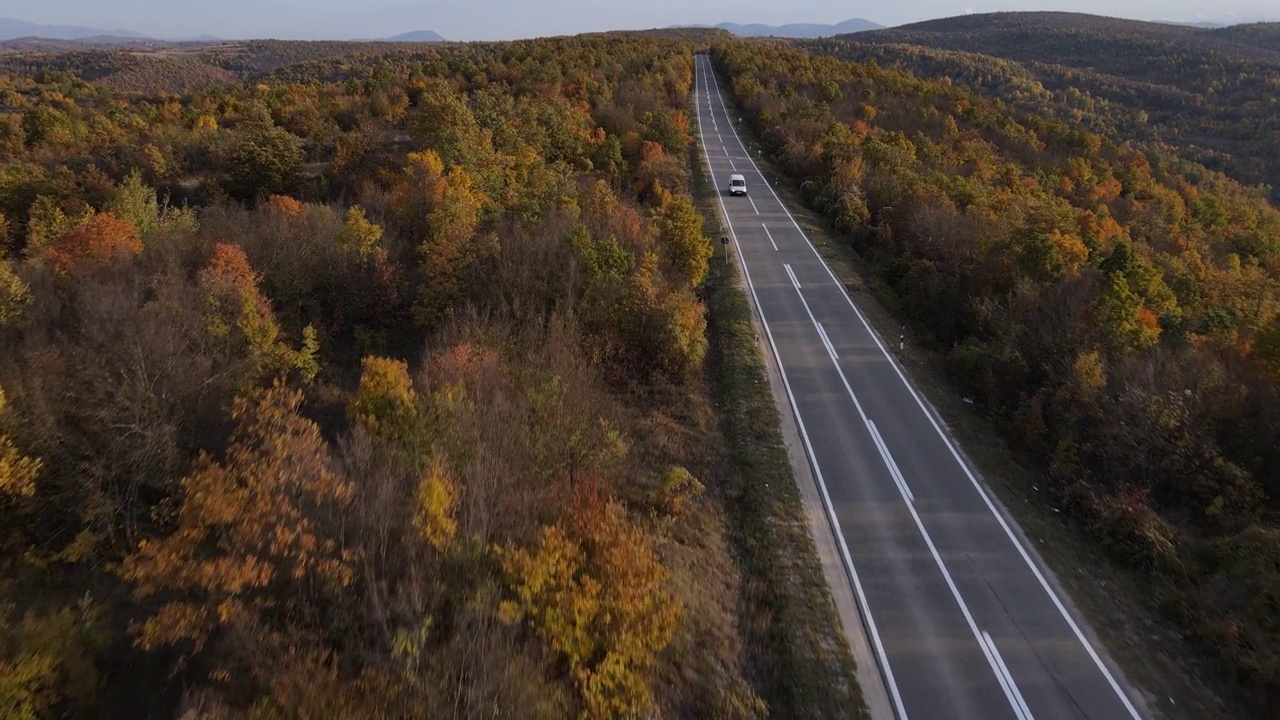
[
  {"x": 1009, "y": 689},
  {"x": 766, "y": 232},
  {"x": 886, "y": 670},
  {"x": 1026, "y": 558}
]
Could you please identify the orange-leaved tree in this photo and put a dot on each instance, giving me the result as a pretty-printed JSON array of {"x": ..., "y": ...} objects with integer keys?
[
  {"x": 284, "y": 205},
  {"x": 98, "y": 240},
  {"x": 251, "y": 544}
]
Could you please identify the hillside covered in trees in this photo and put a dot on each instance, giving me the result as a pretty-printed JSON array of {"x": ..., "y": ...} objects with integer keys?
[
  {"x": 1211, "y": 93},
  {"x": 1114, "y": 309},
  {"x": 370, "y": 387}
]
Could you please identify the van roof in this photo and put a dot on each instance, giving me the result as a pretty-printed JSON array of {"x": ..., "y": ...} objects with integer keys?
[{"x": 737, "y": 177}]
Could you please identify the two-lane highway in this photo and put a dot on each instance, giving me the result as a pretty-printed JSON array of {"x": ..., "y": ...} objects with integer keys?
[{"x": 961, "y": 618}]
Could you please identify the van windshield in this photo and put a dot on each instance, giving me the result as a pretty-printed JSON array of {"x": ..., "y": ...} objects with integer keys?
[{"x": 736, "y": 183}]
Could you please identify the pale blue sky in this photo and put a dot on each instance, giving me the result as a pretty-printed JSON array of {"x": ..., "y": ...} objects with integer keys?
[{"x": 505, "y": 19}]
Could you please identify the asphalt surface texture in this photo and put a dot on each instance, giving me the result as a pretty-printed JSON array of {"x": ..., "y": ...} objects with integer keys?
[{"x": 962, "y": 618}]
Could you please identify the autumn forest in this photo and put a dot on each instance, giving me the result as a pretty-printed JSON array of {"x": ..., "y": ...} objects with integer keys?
[
  {"x": 370, "y": 386},
  {"x": 371, "y": 381}
]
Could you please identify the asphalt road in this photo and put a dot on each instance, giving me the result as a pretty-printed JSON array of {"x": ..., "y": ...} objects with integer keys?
[{"x": 961, "y": 617}]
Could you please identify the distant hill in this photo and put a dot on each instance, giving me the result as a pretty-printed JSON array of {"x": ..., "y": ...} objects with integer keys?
[
  {"x": 1125, "y": 48},
  {"x": 417, "y": 36},
  {"x": 11, "y": 29},
  {"x": 1263, "y": 35},
  {"x": 1004, "y": 22},
  {"x": 795, "y": 30},
  {"x": 1078, "y": 35},
  {"x": 1208, "y": 91}
]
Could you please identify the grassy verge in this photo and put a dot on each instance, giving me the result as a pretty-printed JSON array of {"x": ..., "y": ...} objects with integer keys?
[
  {"x": 797, "y": 656},
  {"x": 1122, "y": 607}
]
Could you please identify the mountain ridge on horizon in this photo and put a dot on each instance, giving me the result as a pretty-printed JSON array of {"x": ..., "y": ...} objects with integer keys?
[
  {"x": 14, "y": 29},
  {"x": 794, "y": 30}
]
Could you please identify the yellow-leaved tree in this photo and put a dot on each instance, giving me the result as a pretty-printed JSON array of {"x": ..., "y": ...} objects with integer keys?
[
  {"x": 15, "y": 295},
  {"x": 686, "y": 246},
  {"x": 240, "y": 319},
  {"x": 17, "y": 472},
  {"x": 440, "y": 210},
  {"x": 359, "y": 234},
  {"x": 47, "y": 666},
  {"x": 437, "y": 501},
  {"x": 385, "y": 403},
  {"x": 593, "y": 589}
]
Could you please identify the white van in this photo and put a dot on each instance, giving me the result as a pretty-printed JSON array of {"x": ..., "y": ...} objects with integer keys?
[{"x": 737, "y": 185}]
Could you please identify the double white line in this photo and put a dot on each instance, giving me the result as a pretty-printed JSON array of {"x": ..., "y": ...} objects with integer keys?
[
  {"x": 900, "y": 481},
  {"x": 1007, "y": 684}
]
